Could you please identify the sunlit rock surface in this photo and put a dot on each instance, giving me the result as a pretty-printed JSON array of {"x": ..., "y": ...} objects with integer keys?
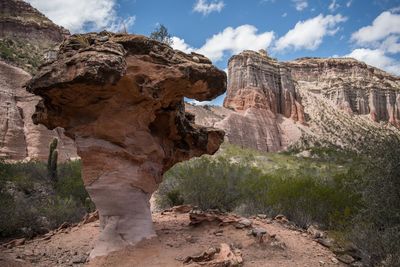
[{"x": 120, "y": 97}]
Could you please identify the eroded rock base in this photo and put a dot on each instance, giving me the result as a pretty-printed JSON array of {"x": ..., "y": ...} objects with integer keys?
[{"x": 125, "y": 217}]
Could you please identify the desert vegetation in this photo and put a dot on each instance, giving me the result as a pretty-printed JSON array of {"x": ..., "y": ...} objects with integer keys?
[
  {"x": 31, "y": 203},
  {"x": 352, "y": 195}
]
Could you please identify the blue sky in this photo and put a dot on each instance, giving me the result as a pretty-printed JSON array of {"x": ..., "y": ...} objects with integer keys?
[{"x": 287, "y": 29}]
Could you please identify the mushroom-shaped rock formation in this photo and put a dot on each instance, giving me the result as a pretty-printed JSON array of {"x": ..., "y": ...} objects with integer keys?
[{"x": 120, "y": 97}]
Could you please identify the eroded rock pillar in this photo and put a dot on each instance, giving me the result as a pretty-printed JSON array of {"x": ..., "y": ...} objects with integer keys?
[{"x": 120, "y": 97}]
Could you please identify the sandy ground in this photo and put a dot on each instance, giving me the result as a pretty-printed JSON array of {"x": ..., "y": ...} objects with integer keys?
[{"x": 176, "y": 240}]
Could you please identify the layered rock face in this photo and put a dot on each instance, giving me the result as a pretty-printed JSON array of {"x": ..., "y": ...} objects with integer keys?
[
  {"x": 258, "y": 81},
  {"x": 27, "y": 37},
  {"x": 352, "y": 85},
  {"x": 120, "y": 97},
  {"x": 20, "y": 139},
  {"x": 20, "y": 20},
  {"x": 262, "y": 105},
  {"x": 25, "y": 34}
]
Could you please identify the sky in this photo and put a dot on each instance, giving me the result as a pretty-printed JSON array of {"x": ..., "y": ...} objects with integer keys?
[{"x": 368, "y": 30}]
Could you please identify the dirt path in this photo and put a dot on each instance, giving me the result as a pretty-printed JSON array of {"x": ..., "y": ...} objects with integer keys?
[{"x": 176, "y": 240}]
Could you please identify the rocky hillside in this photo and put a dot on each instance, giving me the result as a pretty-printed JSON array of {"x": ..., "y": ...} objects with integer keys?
[
  {"x": 26, "y": 34},
  {"x": 184, "y": 239},
  {"x": 352, "y": 85},
  {"x": 24, "y": 37},
  {"x": 271, "y": 106}
]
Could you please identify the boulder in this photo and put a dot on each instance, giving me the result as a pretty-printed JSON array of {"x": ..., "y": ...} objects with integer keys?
[{"x": 121, "y": 99}]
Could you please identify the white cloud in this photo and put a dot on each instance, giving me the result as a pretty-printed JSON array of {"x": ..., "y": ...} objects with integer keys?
[
  {"x": 385, "y": 24},
  {"x": 204, "y": 7},
  {"x": 80, "y": 15},
  {"x": 309, "y": 34},
  {"x": 231, "y": 40},
  {"x": 178, "y": 43},
  {"x": 348, "y": 4},
  {"x": 391, "y": 44},
  {"x": 333, "y": 6},
  {"x": 235, "y": 40},
  {"x": 121, "y": 25},
  {"x": 284, "y": 15},
  {"x": 200, "y": 103},
  {"x": 300, "y": 4},
  {"x": 376, "y": 58}
]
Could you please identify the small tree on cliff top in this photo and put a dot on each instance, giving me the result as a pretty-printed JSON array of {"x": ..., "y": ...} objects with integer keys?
[{"x": 161, "y": 34}]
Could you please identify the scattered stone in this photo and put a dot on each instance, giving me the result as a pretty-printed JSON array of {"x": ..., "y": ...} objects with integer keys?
[
  {"x": 258, "y": 231},
  {"x": 334, "y": 260},
  {"x": 182, "y": 208},
  {"x": 91, "y": 217},
  {"x": 262, "y": 216},
  {"x": 281, "y": 219},
  {"x": 220, "y": 256},
  {"x": 346, "y": 258},
  {"x": 243, "y": 223},
  {"x": 197, "y": 217},
  {"x": 315, "y": 232},
  {"x": 207, "y": 255},
  {"x": 326, "y": 242}
]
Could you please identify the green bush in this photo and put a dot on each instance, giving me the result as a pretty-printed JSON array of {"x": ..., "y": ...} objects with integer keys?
[
  {"x": 249, "y": 182},
  {"x": 204, "y": 182},
  {"x": 31, "y": 204},
  {"x": 376, "y": 228}
]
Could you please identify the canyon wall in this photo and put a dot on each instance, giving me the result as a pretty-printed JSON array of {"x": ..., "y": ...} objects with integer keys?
[
  {"x": 258, "y": 81},
  {"x": 335, "y": 100},
  {"x": 25, "y": 35},
  {"x": 352, "y": 85},
  {"x": 20, "y": 139},
  {"x": 262, "y": 109}
]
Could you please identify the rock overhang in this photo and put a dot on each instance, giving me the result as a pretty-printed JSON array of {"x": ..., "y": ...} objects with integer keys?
[{"x": 120, "y": 97}]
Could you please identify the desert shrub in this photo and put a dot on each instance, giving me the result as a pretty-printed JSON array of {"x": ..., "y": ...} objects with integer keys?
[
  {"x": 376, "y": 228},
  {"x": 58, "y": 210},
  {"x": 240, "y": 179},
  {"x": 205, "y": 182},
  {"x": 31, "y": 204},
  {"x": 306, "y": 199},
  {"x": 70, "y": 184}
]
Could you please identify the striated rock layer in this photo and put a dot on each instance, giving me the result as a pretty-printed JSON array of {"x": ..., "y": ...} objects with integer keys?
[
  {"x": 20, "y": 20},
  {"x": 352, "y": 85},
  {"x": 258, "y": 81},
  {"x": 25, "y": 35},
  {"x": 262, "y": 104},
  {"x": 20, "y": 139},
  {"x": 120, "y": 97}
]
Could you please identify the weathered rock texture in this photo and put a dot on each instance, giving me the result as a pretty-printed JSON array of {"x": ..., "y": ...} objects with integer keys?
[
  {"x": 258, "y": 81},
  {"x": 20, "y": 139},
  {"x": 263, "y": 102},
  {"x": 120, "y": 97},
  {"x": 25, "y": 35},
  {"x": 20, "y": 20},
  {"x": 352, "y": 85},
  {"x": 262, "y": 105}
]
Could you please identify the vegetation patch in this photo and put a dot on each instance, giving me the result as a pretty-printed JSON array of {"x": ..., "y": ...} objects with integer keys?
[{"x": 31, "y": 204}]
